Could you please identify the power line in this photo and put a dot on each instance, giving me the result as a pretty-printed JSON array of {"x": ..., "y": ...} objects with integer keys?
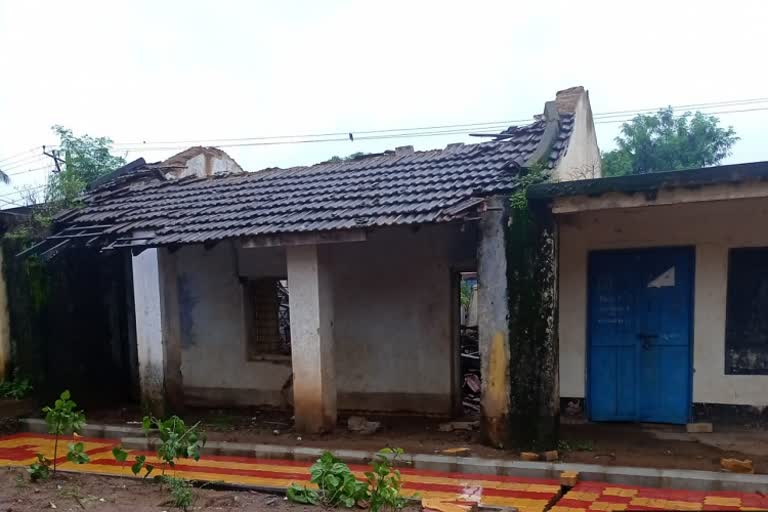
[
  {"x": 758, "y": 109},
  {"x": 21, "y": 165},
  {"x": 684, "y": 106},
  {"x": 19, "y": 154},
  {"x": 618, "y": 116},
  {"x": 44, "y": 167}
]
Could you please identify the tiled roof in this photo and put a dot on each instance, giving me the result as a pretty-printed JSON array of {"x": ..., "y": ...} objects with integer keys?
[{"x": 395, "y": 188}]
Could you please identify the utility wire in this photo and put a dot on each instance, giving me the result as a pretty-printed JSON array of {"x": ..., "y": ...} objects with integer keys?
[
  {"x": 21, "y": 153},
  {"x": 618, "y": 116},
  {"x": 29, "y": 163}
]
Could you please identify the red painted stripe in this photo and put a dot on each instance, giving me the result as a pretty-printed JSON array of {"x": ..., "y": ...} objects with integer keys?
[
  {"x": 304, "y": 476},
  {"x": 754, "y": 501},
  {"x": 719, "y": 507},
  {"x": 483, "y": 491},
  {"x": 303, "y": 464},
  {"x": 476, "y": 476},
  {"x": 256, "y": 473}
]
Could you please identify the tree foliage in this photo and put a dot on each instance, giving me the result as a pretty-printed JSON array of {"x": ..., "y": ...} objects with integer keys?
[
  {"x": 665, "y": 142},
  {"x": 85, "y": 159}
]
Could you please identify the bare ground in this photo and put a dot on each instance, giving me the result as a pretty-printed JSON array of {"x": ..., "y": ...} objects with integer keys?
[
  {"x": 592, "y": 443},
  {"x": 70, "y": 492}
]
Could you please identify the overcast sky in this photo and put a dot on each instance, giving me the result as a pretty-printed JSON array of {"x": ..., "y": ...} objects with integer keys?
[{"x": 181, "y": 70}]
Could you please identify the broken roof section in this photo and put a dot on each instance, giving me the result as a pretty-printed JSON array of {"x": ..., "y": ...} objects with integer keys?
[{"x": 400, "y": 187}]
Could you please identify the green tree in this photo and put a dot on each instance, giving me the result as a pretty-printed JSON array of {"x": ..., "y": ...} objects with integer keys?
[
  {"x": 85, "y": 159},
  {"x": 665, "y": 142}
]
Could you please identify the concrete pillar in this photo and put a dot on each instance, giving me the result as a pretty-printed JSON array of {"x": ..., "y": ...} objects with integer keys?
[
  {"x": 493, "y": 323},
  {"x": 312, "y": 347},
  {"x": 158, "y": 330}
]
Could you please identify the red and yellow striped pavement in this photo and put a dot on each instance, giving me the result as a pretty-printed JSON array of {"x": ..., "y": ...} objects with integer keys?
[
  {"x": 525, "y": 494},
  {"x": 597, "y": 496}
]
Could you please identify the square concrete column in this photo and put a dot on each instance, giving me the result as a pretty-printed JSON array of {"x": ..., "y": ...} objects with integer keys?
[
  {"x": 493, "y": 323},
  {"x": 158, "y": 342},
  {"x": 311, "y": 304}
]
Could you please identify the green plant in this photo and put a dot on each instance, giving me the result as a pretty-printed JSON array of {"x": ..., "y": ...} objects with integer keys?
[
  {"x": 575, "y": 445},
  {"x": 63, "y": 419},
  {"x": 385, "y": 482},
  {"x": 337, "y": 485},
  {"x": 16, "y": 388},
  {"x": 177, "y": 441},
  {"x": 40, "y": 470},
  {"x": 76, "y": 453},
  {"x": 181, "y": 492}
]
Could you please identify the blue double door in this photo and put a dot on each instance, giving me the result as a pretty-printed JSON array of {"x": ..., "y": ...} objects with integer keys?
[{"x": 639, "y": 364}]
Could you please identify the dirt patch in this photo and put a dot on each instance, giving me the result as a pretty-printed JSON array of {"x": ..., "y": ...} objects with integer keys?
[
  {"x": 591, "y": 443},
  {"x": 74, "y": 492}
]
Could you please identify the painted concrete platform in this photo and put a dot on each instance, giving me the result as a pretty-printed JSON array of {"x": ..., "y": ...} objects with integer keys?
[
  {"x": 591, "y": 496},
  {"x": 527, "y": 494},
  {"x": 524, "y": 494}
]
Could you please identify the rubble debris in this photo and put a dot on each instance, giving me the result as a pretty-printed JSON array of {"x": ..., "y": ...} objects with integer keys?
[
  {"x": 529, "y": 456},
  {"x": 569, "y": 478},
  {"x": 455, "y": 451},
  {"x": 551, "y": 455},
  {"x": 699, "y": 428},
  {"x": 573, "y": 408},
  {"x": 458, "y": 425},
  {"x": 448, "y": 505},
  {"x": 362, "y": 425},
  {"x": 737, "y": 466},
  {"x": 470, "y": 369}
]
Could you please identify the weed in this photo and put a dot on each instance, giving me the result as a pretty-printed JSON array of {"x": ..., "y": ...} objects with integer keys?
[
  {"x": 181, "y": 492},
  {"x": 177, "y": 441},
  {"x": 76, "y": 453},
  {"x": 61, "y": 419},
  {"x": 40, "y": 470},
  {"x": 385, "y": 482},
  {"x": 575, "y": 445},
  {"x": 16, "y": 388},
  {"x": 337, "y": 485}
]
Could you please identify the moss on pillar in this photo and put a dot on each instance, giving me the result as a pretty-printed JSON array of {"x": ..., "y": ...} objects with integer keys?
[{"x": 531, "y": 246}]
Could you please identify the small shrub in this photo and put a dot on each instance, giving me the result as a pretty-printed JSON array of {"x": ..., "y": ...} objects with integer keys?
[
  {"x": 62, "y": 419},
  {"x": 177, "y": 441},
  {"x": 40, "y": 470},
  {"x": 385, "y": 482},
  {"x": 181, "y": 492},
  {"x": 16, "y": 388},
  {"x": 337, "y": 486},
  {"x": 575, "y": 445},
  {"x": 76, "y": 453}
]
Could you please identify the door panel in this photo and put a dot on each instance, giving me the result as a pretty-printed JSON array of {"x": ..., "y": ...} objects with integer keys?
[{"x": 639, "y": 304}]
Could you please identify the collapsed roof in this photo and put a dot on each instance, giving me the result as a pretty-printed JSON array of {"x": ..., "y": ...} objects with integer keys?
[{"x": 139, "y": 206}]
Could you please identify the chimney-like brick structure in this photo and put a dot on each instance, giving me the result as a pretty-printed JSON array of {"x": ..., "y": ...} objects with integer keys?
[{"x": 568, "y": 98}]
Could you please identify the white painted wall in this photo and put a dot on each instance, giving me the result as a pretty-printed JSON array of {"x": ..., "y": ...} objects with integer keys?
[
  {"x": 214, "y": 364},
  {"x": 206, "y": 164},
  {"x": 712, "y": 228},
  {"x": 392, "y": 320},
  {"x": 582, "y": 157}
]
